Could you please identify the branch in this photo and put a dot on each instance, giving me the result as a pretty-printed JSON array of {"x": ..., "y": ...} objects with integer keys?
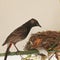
[
  {"x": 24, "y": 52},
  {"x": 20, "y": 53}
]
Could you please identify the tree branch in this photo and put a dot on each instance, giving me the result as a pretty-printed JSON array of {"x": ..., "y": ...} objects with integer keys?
[
  {"x": 20, "y": 53},
  {"x": 24, "y": 52}
]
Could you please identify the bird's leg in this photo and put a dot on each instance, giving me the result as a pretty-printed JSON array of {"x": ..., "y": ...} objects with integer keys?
[
  {"x": 18, "y": 51},
  {"x": 16, "y": 48}
]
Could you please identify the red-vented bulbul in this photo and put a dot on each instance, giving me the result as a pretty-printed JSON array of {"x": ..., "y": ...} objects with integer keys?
[{"x": 19, "y": 34}]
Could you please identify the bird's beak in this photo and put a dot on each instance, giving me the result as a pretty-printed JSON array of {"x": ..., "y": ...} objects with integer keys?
[{"x": 40, "y": 26}]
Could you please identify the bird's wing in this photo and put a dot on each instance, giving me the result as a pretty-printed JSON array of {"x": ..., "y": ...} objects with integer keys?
[
  {"x": 16, "y": 33},
  {"x": 19, "y": 31}
]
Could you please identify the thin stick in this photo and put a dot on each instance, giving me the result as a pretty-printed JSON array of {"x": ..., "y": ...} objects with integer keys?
[
  {"x": 20, "y": 53},
  {"x": 25, "y": 52}
]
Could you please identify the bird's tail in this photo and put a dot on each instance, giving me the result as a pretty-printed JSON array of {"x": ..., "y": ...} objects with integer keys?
[{"x": 7, "y": 51}]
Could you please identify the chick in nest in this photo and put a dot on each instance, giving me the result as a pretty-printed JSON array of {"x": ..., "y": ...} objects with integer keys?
[{"x": 49, "y": 40}]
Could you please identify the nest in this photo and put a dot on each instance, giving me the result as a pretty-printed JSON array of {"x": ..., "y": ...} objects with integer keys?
[{"x": 49, "y": 40}]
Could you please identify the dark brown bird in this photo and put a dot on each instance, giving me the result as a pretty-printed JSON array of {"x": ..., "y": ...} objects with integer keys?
[{"x": 19, "y": 34}]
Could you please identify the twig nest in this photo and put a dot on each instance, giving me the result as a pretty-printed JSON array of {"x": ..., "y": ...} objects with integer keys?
[{"x": 48, "y": 40}]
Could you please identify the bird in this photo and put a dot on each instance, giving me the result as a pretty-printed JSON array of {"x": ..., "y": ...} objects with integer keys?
[{"x": 19, "y": 34}]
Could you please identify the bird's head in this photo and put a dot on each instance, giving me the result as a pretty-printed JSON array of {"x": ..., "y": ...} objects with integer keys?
[{"x": 34, "y": 22}]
